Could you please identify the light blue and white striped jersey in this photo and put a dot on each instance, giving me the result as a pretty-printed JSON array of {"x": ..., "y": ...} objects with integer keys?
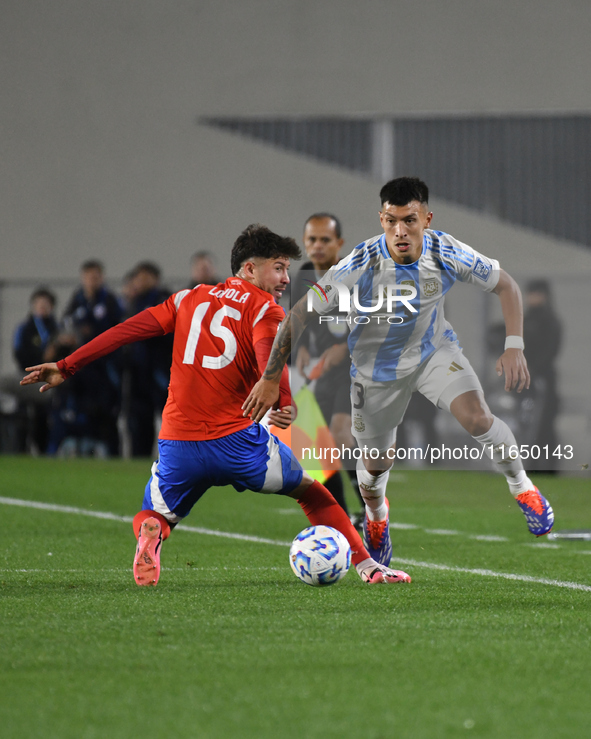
[{"x": 387, "y": 339}]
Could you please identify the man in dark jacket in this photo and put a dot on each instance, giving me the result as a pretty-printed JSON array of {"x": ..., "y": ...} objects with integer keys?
[
  {"x": 542, "y": 334},
  {"x": 89, "y": 407},
  {"x": 33, "y": 345},
  {"x": 147, "y": 364}
]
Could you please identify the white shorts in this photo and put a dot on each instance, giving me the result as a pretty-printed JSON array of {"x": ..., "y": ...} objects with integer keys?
[{"x": 379, "y": 407}]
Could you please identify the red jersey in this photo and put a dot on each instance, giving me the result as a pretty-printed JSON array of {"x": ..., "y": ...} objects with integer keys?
[
  {"x": 214, "y": 364},
  {"x": 222, "y": 340}
]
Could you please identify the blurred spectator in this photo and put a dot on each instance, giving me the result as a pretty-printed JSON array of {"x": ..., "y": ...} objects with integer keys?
[
  {"x": 203, "y": 271},
  {"x": 532, "y": 413},
  {"x": 32, "y": 345},
  {"x": 147, "y": 363},
  {"x": 84, "y": 419},
  {"x": 542, "y": 335},
  {"x": 93, "y": 308},
  {"x": 128, "y": 292},
  {"x": 33, "y": 336}
]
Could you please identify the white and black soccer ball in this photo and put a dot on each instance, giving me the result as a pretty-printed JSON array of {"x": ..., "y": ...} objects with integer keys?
[{"x": 320, "y": 555}]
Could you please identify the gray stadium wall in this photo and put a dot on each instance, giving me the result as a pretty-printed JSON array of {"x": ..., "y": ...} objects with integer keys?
[{"x": 101, "y": 154}]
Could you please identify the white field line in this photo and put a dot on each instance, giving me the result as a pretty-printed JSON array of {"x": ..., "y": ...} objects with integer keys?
[
  {"x": 447, "y": 532},
  {"x": 230, "y": 535},
  {"x": 492, "y": 573},
  {"x": 259, "y": 540},
  {"x": 128, "y": 519}
]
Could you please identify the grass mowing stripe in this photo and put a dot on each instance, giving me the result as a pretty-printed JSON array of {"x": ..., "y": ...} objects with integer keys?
[
  {"x": 53, "y": 570},
  {"x": 448, "y": 532},
  {"x": 64, "y": 509},
  {"x": 230, "y": 535},
  {"x": 492, "y": 573},
  {"x": 260, "y": 540},
  {"x": 128, "y": 519}
]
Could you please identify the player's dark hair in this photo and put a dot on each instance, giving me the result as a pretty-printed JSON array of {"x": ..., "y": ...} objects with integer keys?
[
  {"x": 259, "y": 241},
  {"x": 202, "y": 255},
  {"x": 404, "y": 190},
  {"x": 43, "y": 292},
  {"x": 539, "y": 286},
  {"x": 92, "y": 264},
  {"x": 150, "y": 267},
  {"x": 319, "y": 216}
]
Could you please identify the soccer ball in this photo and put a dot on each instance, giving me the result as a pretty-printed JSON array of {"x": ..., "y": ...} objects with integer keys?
[{"x": 320, "y": 555}]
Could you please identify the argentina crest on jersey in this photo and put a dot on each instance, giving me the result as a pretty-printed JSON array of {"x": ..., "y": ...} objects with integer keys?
[{"x": 431, "y": 287}]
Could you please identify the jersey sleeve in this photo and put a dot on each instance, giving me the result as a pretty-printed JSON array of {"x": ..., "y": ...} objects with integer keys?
[
  {"x": 266, "y": 321},
  {"x": 262, "y": 350},
  {"x": 138, "y": 327},
  {"x": 266, "y": 325},
  {"x": 469, "y": 265},
  {"x": 165, "y": 313}
]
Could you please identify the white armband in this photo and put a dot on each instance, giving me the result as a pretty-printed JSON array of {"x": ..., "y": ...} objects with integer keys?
[{"x": 514, "y": 342}]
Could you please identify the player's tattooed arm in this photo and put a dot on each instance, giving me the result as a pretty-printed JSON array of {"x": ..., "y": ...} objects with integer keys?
[
  {"x": 265, "y": 393},
  {"x": 290, "y": 331}
]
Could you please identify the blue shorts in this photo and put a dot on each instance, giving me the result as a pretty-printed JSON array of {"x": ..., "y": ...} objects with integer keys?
[{"x": 250, "y": 459}]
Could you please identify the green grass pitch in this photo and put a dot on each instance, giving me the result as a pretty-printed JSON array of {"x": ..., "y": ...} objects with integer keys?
[{"x": 230, "y": 644}]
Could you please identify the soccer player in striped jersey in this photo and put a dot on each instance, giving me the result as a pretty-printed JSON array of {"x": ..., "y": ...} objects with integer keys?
[
  {"x": 391, "y": 289},
  {"x": 222, "y": 338}
]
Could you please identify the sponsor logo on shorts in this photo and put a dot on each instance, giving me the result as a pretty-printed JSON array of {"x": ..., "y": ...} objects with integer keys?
[
  {"x": 431, "y": 287},
  {"x": 482, "y": 270},
  {"x": 454, "y": 367}
]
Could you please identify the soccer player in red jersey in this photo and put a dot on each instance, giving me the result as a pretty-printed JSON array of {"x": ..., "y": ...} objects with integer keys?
[{"x": 222, "y": 339}]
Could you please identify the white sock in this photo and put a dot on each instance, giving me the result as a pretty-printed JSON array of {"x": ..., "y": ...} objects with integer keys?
[
  {"x": 500, "y": 438},
  {"x": 373, "y": 492},
  {"x": 368, "y": 565},
  {"x": 520, "y": 483}
]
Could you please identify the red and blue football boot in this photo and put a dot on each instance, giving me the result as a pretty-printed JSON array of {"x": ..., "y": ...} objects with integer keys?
[
  {"x": 146, "y": 563},
  {"x": 538, "y": 512},
  {"x": 376, "y": 538}
]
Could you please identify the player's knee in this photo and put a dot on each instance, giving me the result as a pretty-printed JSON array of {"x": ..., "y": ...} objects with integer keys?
[
  {"x": 471, "y": 410},
  {"x": 480, "y": 422},
  {"x": 298, "y": 491},
  {"x": 377, "y": 464}
]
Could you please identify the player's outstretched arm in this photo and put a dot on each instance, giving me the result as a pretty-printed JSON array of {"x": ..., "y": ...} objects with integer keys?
[
  {"x": 265, "y": 393},
  {"x": 141, "y": 326},
  {"x": 47, "y": 373},
  {"x": 512, "y": 362}
]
